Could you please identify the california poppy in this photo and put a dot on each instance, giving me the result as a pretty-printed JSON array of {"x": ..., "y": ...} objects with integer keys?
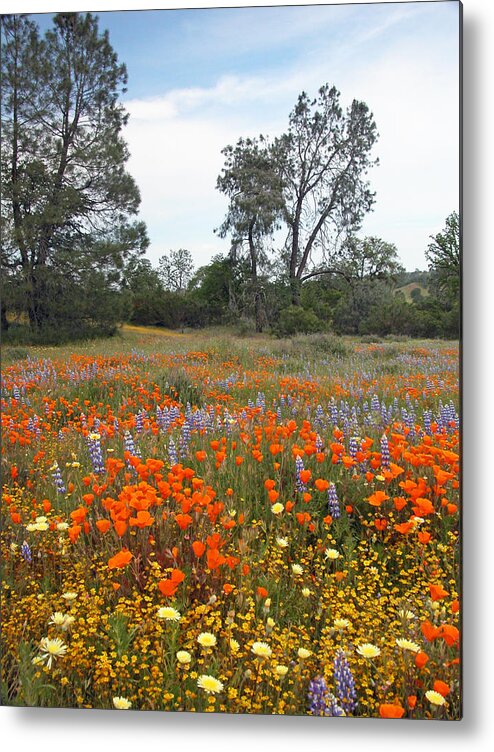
[
  {"x": 120, "y": 560},
  {"x": 390, "y": 710},
  {"x": 437, "y": 592}
]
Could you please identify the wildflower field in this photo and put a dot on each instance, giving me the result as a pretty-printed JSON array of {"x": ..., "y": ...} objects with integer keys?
[{"x": 204, "y": 523}]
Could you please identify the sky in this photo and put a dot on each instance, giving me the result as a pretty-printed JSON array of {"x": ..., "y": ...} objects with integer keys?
[{"x": 199, "y": 79}]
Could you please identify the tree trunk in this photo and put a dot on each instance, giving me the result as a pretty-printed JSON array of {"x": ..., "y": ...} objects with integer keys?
[
  {"x": 5, "y": 322},
  {"x": 258, "y": 307},
  {"x": 295, "y": 287}
]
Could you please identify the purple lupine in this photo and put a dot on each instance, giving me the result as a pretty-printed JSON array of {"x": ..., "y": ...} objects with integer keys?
[
  {"x": 384, "y": 414},
  {"x": 130, "y": 447},
  {"x": 317, "y": 696},
  {"x": 26, "y": 552},
  {"x": 139, "y": 421},
  {"x": 172, "y": 453},
  {"x": 333, "y": 503},
  {"x": 95, "y": 453},
  {"x": 353, "y": 447},
  {"x": 299, "y": 464},
  {"x": 319, "y": 417},
  {"x": 57, "y": 477},
  {"x": 332, "y": 708},
  {"x": 345, "y": 683},
  {"x": 384, "y": 451},
  {"x": 333, "y": 412},
  {"x": 184, "y": 439},
  {"x": 164, "y": 420},
  {"x": 321, "y": 701}
]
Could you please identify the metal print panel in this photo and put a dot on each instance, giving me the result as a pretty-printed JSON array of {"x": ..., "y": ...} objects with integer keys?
[{"x": 230, "y": 379}]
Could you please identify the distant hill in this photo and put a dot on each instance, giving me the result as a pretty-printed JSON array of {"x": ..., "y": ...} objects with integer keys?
[
  {"x": 407, "y": 291},
  {"x": 406, "y": 282}
]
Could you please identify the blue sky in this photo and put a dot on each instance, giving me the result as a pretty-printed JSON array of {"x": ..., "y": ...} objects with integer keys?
[{"x": 201, "y": 78}]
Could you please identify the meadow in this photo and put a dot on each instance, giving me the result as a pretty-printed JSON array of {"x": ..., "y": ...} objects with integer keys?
[{"x": 203, "y": 522}]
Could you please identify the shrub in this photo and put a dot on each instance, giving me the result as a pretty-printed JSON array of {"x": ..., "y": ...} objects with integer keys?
[{"x": 295, "y": 319}]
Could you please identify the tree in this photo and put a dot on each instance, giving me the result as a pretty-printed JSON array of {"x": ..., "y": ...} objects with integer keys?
[
  {"x": 443, "y": 255},
  {"x": 322, "y": 161},
  {"x": 249, "y": 179},
  {"x": 215, "y": 287},
  {"x": 145, "y": 291},
  {"x": 66, "y": 198},
  {"x": 369, "y": 258},
  {"x": 176, "y": 269}
]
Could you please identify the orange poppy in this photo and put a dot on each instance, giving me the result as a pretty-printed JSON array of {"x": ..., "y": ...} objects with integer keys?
[
  {"x": 103, "y": 525},
  {"x": 423, "y": 507},
  {"x": 167, "y": 588},
  {"x": 449, "y": 633},
  {"x": 120, "y": 527},
  {"x": 120, "y": 560},
  {"x": 214, "y": 558},
  {"x": 198, "y": 547},
  {"x": 74, "y": 531},
  {"x": 437, "y": 592},
  {"x": 429, "y": 631},
  {"x": 177, "y": 576},
  {"x": 390, "y": 710},
  {"x": 183, "y": 520},
  {"x": 377, "y": 498},
  {"x": 321, "y": 484},
  {"x": 79, "y": 514},
  {"x": 441, "y": 687},
  {"x": 421, "y": 659},
  {"x": 424, "y": 537},
  {"x": 142, "y": 520},
  {"x": 46, "y": 505},
  {"x": 404, "y": 528}
]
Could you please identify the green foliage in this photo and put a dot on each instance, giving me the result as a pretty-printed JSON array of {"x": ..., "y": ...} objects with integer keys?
[
  {"x": 355, "y": 304},
  {"x": 176, "y": 269},
  {"x": 319, "y": 297},
  {"x": 368, "y": 258},
  {"x": 216, "y": 289},
  {"x": 443, "y": 255},
  {"x": 296, "y": 319},
  {"x": 120, "y": 633},
  {"x": 416, "y": 293}
]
